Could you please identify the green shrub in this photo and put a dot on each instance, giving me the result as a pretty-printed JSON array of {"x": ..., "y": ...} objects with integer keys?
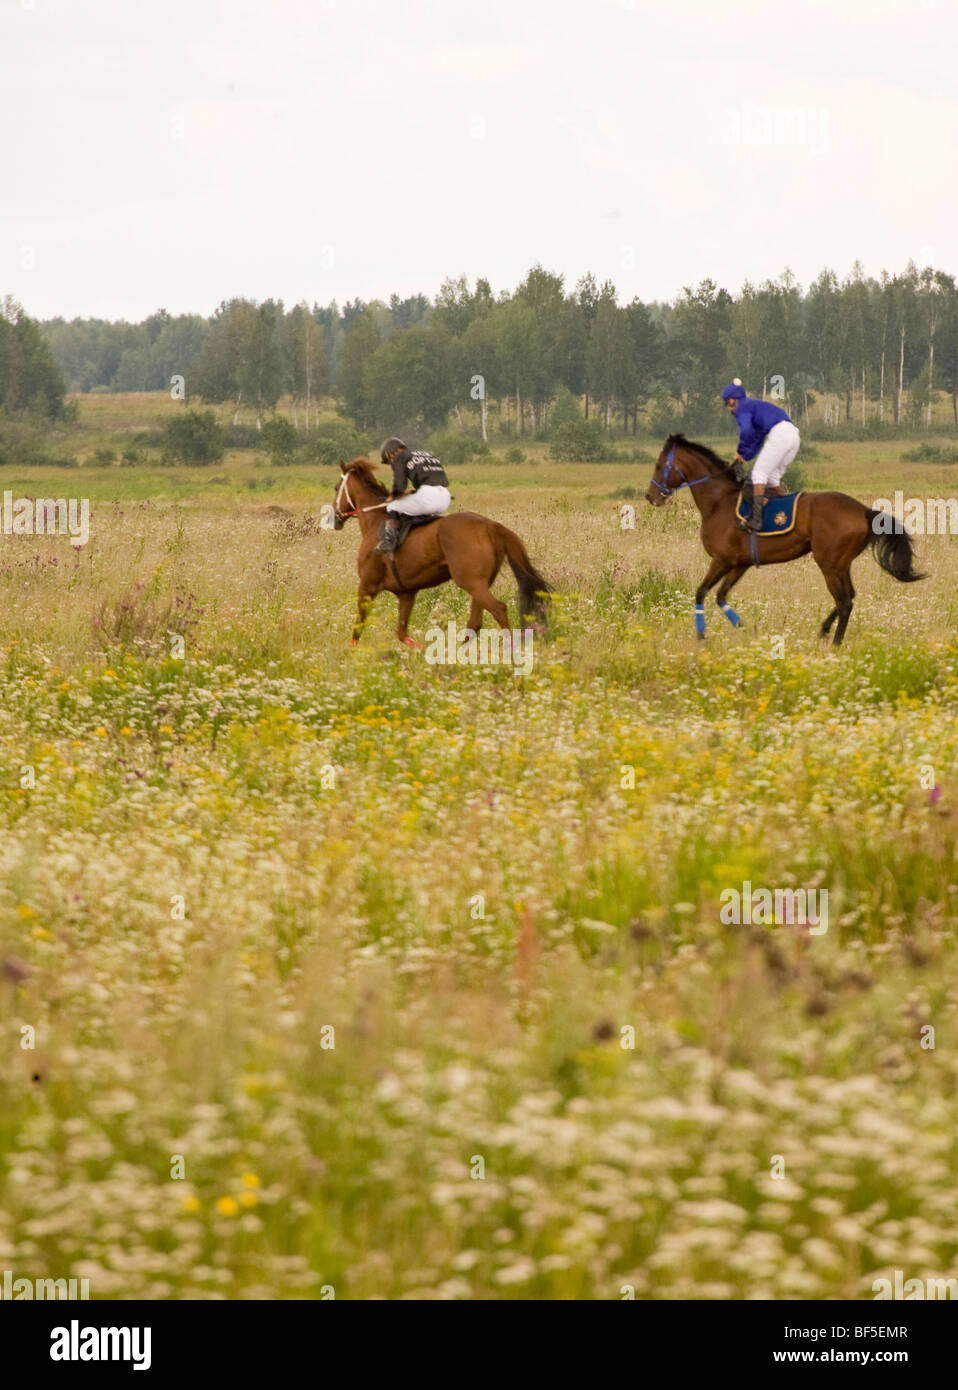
[
  {"x": 810, "y": 453},
  {"x": 149, "y": 439},
  {"x": 565, "y": 411},
  {"x": 104, "y": 457},
  {"x": 456, "y": 449},
  {"x": 931, "y": 453},
  {"x": 193, "y": 437},
  {"x": 849, "y": 433},
  {"x": 333, "y": 442},
  {"x": 581, "y": 441},
  {"x": 514, "y": 454},
  {"x": 279, "y": 438},
  {"x": 702, "y": 415},
  {"x": 795, "y": 479},
  {"x": 23, "y": 443}
]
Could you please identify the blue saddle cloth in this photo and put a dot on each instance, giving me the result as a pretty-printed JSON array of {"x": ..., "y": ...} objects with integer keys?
[{"x": 778, "y": 514}]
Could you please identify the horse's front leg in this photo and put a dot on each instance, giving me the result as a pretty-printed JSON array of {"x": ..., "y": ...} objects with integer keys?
[
  {"x": 727, "y": 583},
  {"x": 406, "y": 602},
  {"x": 365, "y": 601},
  {"x": 715, "y": 571}
]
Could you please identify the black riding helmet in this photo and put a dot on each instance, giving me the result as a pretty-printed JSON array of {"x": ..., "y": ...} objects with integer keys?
[{"x": 390, "y": 447}]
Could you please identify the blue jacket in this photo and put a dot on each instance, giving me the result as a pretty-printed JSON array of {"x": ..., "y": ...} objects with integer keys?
[{"x": 755, "y": 419}]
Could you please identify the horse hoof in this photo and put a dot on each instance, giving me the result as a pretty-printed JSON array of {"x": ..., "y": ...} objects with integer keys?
[
  {"x": 412, "y": 644},
  {"x": 354, "y": 641}
]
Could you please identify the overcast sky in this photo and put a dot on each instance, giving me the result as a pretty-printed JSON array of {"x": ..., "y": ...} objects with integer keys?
[{"x": 181, "y": 152}]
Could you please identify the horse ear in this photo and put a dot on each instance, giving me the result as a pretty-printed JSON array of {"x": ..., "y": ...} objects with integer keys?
[{"x": 342, "y": 467}]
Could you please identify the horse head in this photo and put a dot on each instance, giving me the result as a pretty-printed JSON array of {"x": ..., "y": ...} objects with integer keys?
[
  {"x": 354, "y": 488},
  {"x": 682, "y": 463}
]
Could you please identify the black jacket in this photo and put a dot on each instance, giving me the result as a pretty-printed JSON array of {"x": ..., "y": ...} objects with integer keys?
[{"x": 419, "y": 469}]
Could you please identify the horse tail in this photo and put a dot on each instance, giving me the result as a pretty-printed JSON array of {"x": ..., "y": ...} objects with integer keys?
[
  {"x": 534, "y": 591},
  {"x": 893, "y": 548}
]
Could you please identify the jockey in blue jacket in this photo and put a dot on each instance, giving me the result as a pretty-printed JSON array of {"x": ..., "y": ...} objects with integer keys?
[{"x": 767, "y": 435}]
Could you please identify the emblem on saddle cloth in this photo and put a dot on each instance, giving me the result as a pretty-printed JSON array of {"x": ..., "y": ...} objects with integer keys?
[{"x": 778, "y": 513}]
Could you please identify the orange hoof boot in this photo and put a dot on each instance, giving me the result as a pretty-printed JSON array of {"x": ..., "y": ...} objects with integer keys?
[
  {"x": 412, "y": 644},
  {"x": 354, "y": 641}
]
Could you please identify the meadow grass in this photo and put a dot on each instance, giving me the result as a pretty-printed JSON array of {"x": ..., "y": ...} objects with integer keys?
[{"x": 553, "y": 1071}]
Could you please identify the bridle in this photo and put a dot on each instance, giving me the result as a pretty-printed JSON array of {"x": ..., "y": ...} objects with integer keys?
[
  {"x": 344, "y": 488},
  {"x": 663, "y": 486},
  {"x": 354, "y": 510}
]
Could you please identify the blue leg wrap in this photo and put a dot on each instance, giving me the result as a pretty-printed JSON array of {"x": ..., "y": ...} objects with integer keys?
[
  {"x": 731, "y": 614},
  {"x": 700, "y": 619}
]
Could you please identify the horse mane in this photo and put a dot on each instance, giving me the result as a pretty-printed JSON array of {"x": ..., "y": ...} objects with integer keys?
[
  {"x": 363, "y": 470},
  {"x": 732, "y": 471}
]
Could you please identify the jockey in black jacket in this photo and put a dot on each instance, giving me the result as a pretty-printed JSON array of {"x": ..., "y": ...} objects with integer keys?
[{"x": 430, "y": 494}]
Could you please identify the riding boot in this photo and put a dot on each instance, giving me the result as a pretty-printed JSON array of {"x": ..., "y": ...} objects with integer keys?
[
  {"x": 389, "y": 534},
  {"x": 753, "y": 522}
]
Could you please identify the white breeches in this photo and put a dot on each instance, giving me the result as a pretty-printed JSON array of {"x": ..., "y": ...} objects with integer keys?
[
  {"x": 425, "y": 501},
  {"x": 781, "y": 445}
]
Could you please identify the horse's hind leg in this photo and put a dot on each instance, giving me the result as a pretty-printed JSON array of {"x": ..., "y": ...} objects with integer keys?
[
  {"x": 843, "y": 592},
  {"x": 483, "y": 597},
  {"x": 845, "y": 607},
  {"x": 475, "y": 616},
  {"x": 826, "y": 626}
]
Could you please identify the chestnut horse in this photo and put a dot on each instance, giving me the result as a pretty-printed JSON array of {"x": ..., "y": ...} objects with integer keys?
[
  {"x": 461, "y": 546},
  {"x": 833, "y": 526}
]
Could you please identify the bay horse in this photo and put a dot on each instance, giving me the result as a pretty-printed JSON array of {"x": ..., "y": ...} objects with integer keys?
[
  {"x": 462, "y": 546},
  {"x": 836, "y": 529}
]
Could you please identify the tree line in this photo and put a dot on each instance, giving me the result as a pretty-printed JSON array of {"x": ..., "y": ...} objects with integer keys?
[
  {"x": 30, "y": 379},
  {"x": 879, "y": 348}
]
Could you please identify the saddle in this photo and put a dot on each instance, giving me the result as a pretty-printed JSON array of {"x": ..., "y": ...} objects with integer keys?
[{"x": 778, "y": 513}]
